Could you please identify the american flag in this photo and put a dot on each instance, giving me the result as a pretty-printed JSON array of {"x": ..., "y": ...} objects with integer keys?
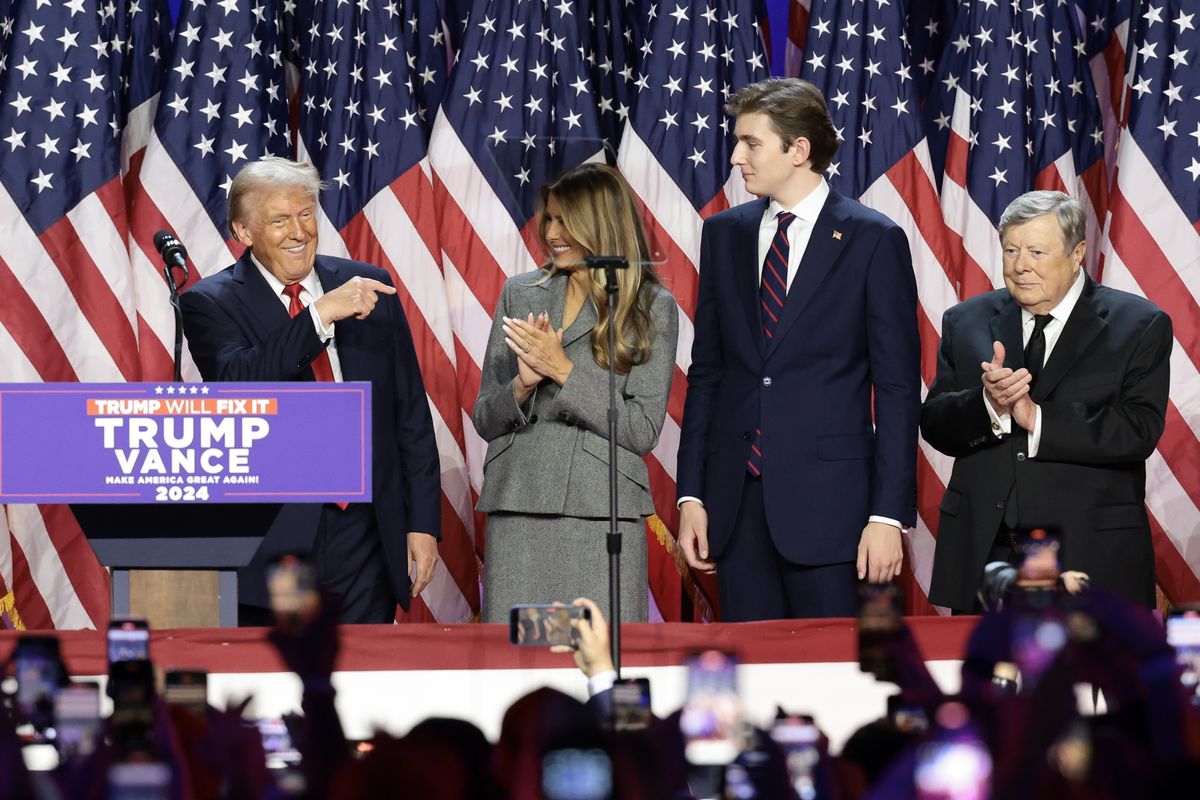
[
  {"x": 371, "y": 78},
  {"x": 74, "y": 78},
  {"x": 1153, "y": 236},
  {"x": 1015, "y": 109},
  {"x": 535, "y": 89},
  {"x": 675, "y": 153},
  {"x": 870, "y": 85}
]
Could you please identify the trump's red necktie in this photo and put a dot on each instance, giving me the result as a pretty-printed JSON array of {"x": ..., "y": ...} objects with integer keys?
[{"x": 321, "y": 366}]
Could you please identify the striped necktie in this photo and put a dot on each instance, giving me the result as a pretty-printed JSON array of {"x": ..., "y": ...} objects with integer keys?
[{"x": 772, "y": 291}]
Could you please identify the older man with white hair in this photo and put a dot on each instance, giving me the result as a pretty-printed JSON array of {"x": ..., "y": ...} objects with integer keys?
[
  {"x": 1050, "y": 395},
  {"x": 284, "y": 313}
]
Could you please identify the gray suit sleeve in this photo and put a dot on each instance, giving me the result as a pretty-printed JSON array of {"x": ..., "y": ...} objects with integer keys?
[
  {"x": 643, "y": 404},
  {"x": 496, "y": 411}
]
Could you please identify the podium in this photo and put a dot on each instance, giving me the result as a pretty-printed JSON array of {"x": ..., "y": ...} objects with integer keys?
[
  {"x": 164, "y": 477},
  {"x": 212, "y": 538}
]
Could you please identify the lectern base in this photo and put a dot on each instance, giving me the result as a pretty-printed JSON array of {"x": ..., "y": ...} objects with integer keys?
[{"x": 177, "y": 598}]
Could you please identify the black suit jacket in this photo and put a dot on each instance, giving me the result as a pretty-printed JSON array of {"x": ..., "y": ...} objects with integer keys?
[
  {"x": 238, "y": 330},
  {"x": 1102, "y": 395},
  {"x": 837, "y": 391}
]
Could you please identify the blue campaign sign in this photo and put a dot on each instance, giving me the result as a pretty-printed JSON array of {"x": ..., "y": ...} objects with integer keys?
[{"x": 185, "y": 442}]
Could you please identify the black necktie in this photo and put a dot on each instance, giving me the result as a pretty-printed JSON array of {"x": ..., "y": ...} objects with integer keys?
[{"x": 1035, "y": 350}]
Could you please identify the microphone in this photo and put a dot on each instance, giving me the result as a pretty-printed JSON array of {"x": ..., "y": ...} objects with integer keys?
[{"x": 172, "y": 251}]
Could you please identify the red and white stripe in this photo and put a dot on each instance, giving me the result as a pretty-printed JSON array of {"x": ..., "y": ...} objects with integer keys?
[
  {"x": 1150, "y": 250},
  {"x": 793, "y": 56},
  {"x": 907, "y": 194}
]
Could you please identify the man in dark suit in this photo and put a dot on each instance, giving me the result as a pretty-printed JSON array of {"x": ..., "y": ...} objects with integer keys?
[
  {"x": 796, "y": 470},
  {"x": 1050, "y": 395},
  {"x": 283, "y": 313}
]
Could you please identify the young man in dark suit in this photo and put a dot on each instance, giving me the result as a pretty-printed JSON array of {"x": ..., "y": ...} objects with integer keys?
[
  {"x": 797, "y": 459},
  {"x": 283, "y": 313},
  {"x": 1050, "y": 394}
]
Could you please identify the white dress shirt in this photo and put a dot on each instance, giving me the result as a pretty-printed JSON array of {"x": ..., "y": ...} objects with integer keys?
[
  {"x": 1002, "y": 423},
  {"x": 310, "y": 292},
  {"x": 798, "y": 233}
]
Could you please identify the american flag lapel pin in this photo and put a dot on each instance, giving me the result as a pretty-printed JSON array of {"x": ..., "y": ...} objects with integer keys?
[{"x": 837, "y": 235}]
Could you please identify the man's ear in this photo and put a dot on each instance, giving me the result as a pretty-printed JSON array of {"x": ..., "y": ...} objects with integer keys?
[
  {"x": 241, "y": 232},
  {"x": 1079, "y": 252},
  {"x": 801, "y": 150}
]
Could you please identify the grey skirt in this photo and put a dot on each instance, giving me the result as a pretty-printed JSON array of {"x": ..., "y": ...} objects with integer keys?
[{"x": 545, "y": 558}]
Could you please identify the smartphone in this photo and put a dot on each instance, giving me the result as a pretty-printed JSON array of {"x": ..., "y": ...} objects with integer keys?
[
  {"x": 799, "y": 738},
  {"x": 545, "y": 625},
  {"x": 131, "y": 686},
  {"x": 77, "y": 719},
  {"x": 910, "y": 719},
  {"x": 139, "y": 781},
  {"x": 277, "y": 744},
  {"x": 1183, "y": 634},
  {"x": 880, "y": 624},
  {"x": 292, "y": 585},
  {"x": 1039, "y": 568},
  {"x": 577, "y": 774},
  {"x": 38, "y": 669},
  {"x": 711, "y": 720},
  {"x": 631, "y": 704},
  {"x": 187, "y": 688},
  {"x": 957, "y": 767},
  {"x": 128, "y": 640}
]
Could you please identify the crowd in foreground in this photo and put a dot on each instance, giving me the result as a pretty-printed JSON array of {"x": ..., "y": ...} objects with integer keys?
[{"x": 1014, "y": 729}]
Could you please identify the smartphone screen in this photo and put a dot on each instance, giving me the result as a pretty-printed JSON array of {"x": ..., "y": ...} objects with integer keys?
[
  {"x": 77, "y": 719},
  {"x": 545, "y": 625},
  {"x": 128, "y": 640},
  {"x": 38, "y": 672},
  {"x": 711, "y": 720},
  {"x": 131, "y": 686},
  {"x": 879, "y": 624},
  {"x": 187, "y": 688},
  {"x": 139, "y": 781},
  {"x": 957, "y": 768},
  {"x": 799, "y": 738},
  {"x": 1039, "y": 568},
  {"x": 277, "y": 744},
  {"x": 631, "y": 704},
  {"x": 577, "y": 774},
  {"x": 292, "y": 585},
  {"x": 1183, "y": 634}
]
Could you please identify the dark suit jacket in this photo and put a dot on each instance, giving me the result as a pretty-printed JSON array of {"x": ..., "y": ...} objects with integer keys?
[
  {"x": 1103, "y": 397},
  {"x": 238, "y": 330},
  {"x": 848, "y": 330}
]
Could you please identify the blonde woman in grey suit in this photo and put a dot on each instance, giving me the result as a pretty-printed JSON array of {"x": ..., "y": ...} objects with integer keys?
[{"x": 543, "y": 404}]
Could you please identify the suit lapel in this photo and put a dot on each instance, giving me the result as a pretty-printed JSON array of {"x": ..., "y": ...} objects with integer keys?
[
  {"x": 1085, "y": 324},
  {"x": 746, "y": 268},
  {"x": 830, "y": 234},
  {"x": 265, "y": 311},
  {"x": 1006, "y": 329}
]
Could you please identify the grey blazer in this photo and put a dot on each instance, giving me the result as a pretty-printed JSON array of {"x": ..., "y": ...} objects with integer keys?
[{"x": 551, "y": 456}]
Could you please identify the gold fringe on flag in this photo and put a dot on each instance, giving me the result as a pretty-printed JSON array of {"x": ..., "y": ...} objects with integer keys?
[
  {"x": 8, "y": 608},
  {"x": 703, "y": 611}
]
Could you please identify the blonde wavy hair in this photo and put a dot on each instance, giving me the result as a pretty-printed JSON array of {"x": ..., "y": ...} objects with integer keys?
[{"x": 599, "y": 211}]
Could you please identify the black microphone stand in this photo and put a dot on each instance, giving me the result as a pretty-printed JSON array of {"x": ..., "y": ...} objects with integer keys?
[
  {"x": 610, "y": 265},
  {"x": 167, "y": 271}
]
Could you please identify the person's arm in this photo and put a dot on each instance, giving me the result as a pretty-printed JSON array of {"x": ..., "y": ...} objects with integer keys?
[
  {"x": 954, "y": 416},
  {"x": 1126, "y": 429},
  {"x": 894, "y": 352},
  {"x": 583, "y": 397},
  {"x": 703, "y": 377},
  {"x": 497, "y": 411},
  {"x": 223, "y": 352}
]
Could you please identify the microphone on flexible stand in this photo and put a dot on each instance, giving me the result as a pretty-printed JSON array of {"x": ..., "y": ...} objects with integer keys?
[{"x": 174, "y": 257}]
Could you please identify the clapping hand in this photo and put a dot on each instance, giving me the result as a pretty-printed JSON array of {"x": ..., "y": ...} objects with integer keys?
[{"x": 538, "y": 348}]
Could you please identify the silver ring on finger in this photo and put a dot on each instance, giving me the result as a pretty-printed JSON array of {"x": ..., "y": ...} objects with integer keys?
[{"x": 526, "y": 348}]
